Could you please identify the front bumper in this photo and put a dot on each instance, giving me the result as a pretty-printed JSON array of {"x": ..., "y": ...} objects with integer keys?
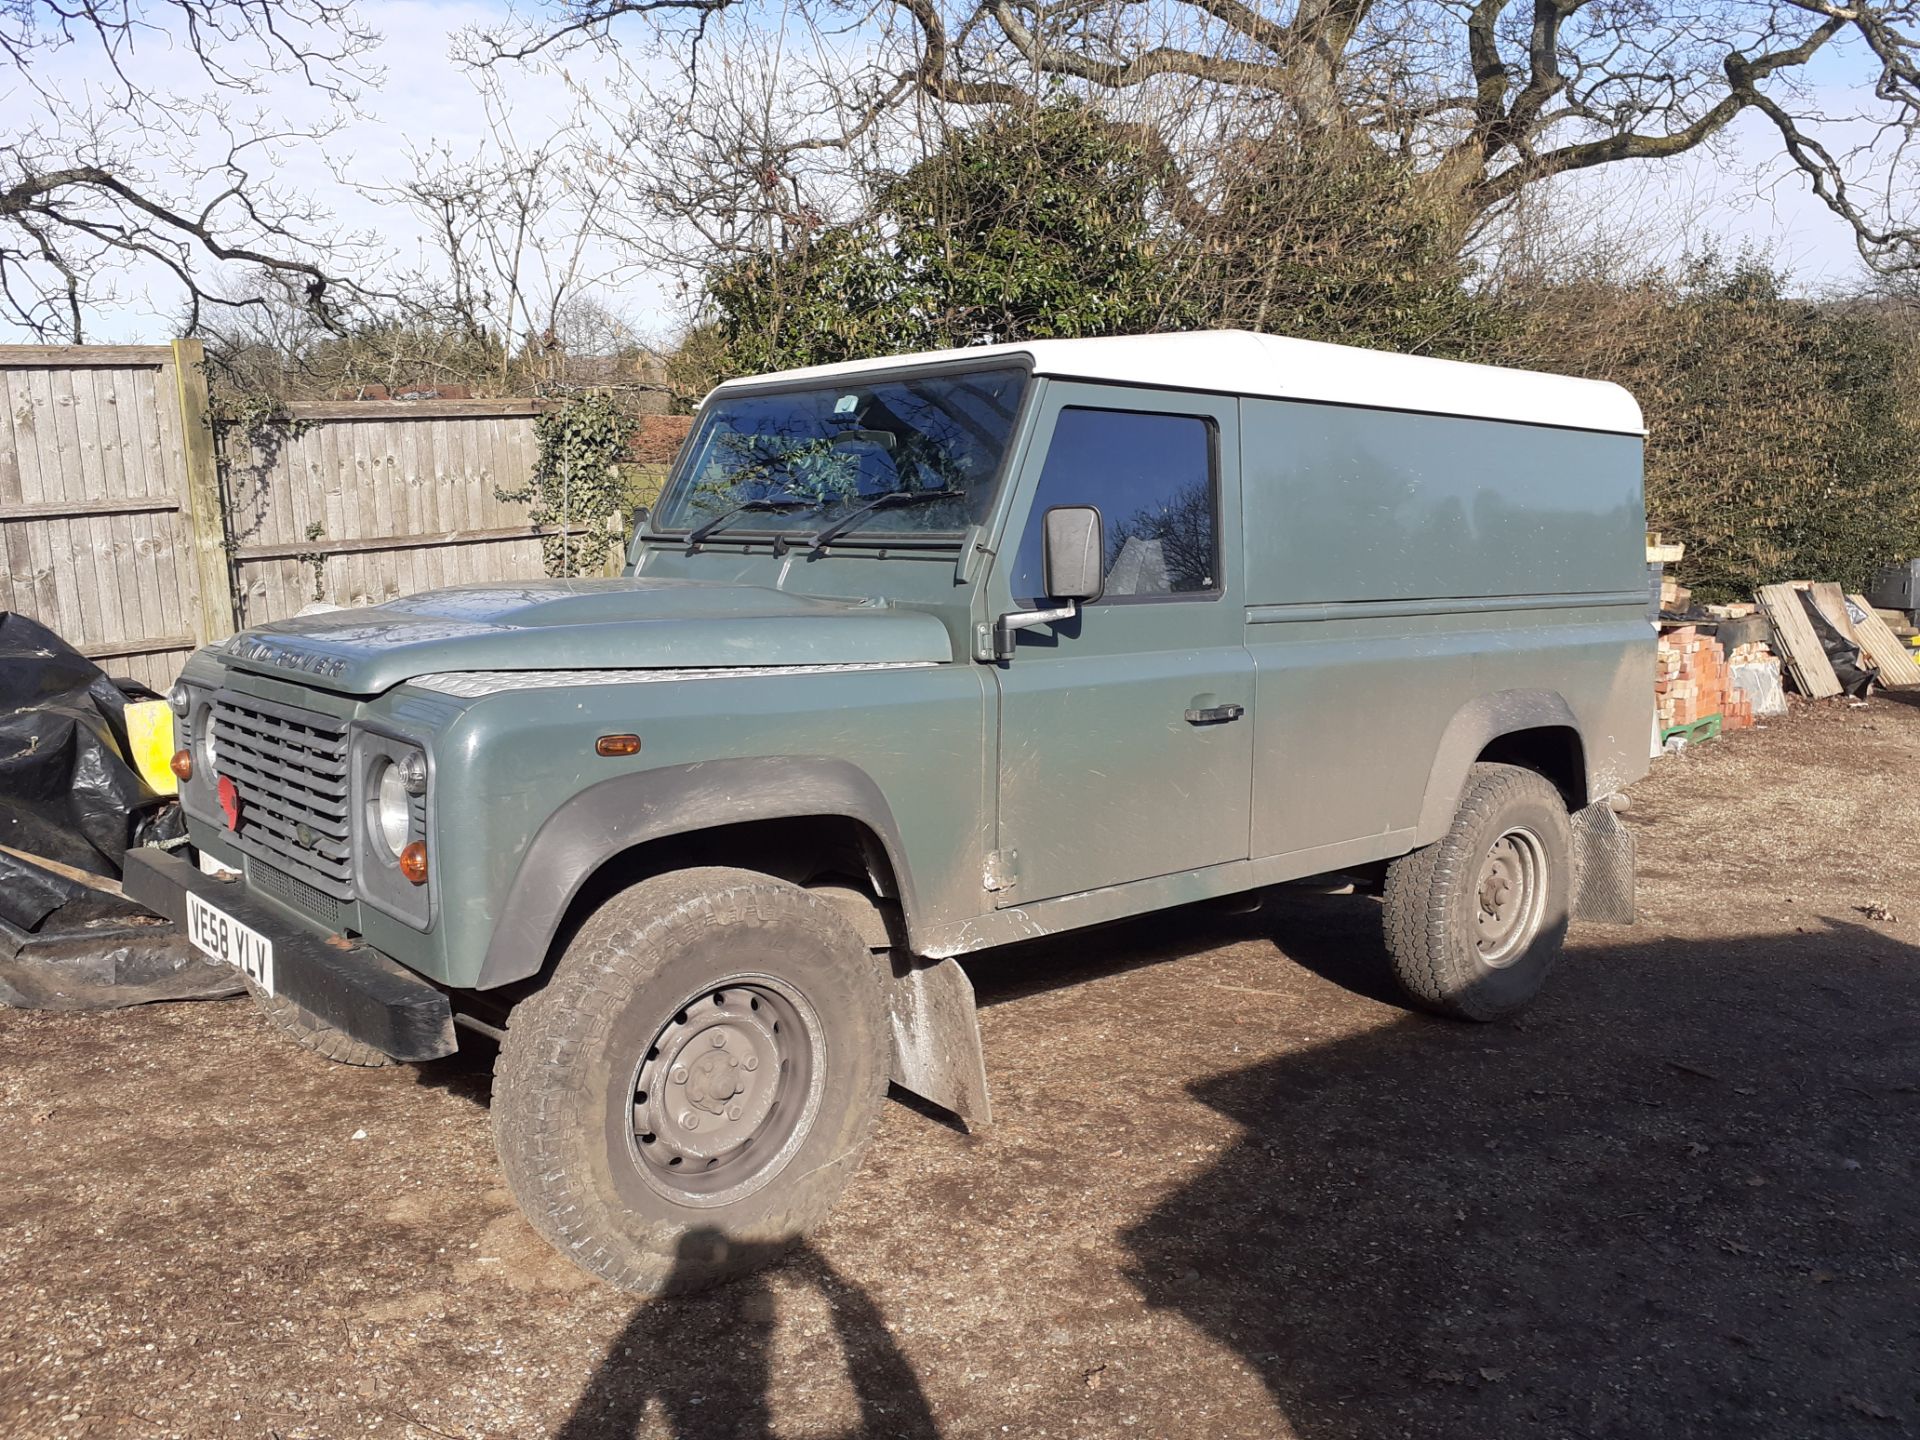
[{"x": 353, "y": 988}]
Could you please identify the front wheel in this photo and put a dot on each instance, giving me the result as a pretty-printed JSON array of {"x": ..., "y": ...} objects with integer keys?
[
  {"x": 691, "y": 1092},
  {"x": 1476, "y": 920},
  {"x": 309, "y": 1031}
]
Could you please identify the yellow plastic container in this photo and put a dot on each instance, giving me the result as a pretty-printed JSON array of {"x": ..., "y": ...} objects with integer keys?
[{"x": 150, "y": 733}]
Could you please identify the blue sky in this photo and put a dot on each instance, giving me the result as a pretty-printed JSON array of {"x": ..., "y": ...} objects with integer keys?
[{"x": 1741, "y": 194}]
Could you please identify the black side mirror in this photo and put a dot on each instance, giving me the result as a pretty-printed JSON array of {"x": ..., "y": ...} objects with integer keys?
[{"x": 1076, "y": 553}]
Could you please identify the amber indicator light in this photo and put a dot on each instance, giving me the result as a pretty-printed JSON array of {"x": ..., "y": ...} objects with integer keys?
[
  {"x": 182, "y": 764},
  {"x": 617, "y": 745},
  {"x": 413, "y": 863}
]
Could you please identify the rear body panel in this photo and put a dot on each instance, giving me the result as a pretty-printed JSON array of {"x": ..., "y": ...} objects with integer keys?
[{"x": 1404, "y": 567}]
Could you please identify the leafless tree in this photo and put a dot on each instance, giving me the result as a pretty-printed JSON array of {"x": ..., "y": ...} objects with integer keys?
[
  {"x": 144, "y": 147},
  {"x": 1488, "y": 97},
  {"x": 513, "y": 228}
]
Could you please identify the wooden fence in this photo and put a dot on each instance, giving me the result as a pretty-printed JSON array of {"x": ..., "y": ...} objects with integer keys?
[
  {"x": 109, "y": 517},
  {"x": 127, "y": 530},
  {"x": 360, "y": 502}
]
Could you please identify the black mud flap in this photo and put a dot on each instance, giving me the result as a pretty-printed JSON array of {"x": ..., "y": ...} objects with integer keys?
[
  {"x": 936, "y": 1039},
  {"x": 1603, "y": 855}
]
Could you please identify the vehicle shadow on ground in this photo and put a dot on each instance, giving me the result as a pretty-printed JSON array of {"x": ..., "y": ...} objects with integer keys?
[
  {"x": 1342, "y": 931},
  {"x": 733, "y": 1326},
  {"x": 1675, "y": 1198},
  {"x": 1678, "y": 1198}
]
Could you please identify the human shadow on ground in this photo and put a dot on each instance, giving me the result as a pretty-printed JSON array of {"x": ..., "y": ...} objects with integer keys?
[
  {"x": 1676, "y": 1199},
  {"x": 703, "y": 1362}
]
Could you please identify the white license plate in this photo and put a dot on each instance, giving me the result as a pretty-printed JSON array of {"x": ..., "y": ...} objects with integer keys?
[{"x": 218, "y": 934}]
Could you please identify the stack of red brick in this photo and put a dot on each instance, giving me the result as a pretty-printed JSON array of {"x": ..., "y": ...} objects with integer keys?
[{"x": 1690, "y": 682}]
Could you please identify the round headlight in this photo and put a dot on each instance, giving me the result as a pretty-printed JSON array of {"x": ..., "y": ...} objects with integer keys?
[
  {"x": 178, "y": 699},
  {"x": 392, "y": 815}
]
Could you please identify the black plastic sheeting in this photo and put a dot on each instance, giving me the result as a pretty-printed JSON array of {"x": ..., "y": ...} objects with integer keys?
[
  {"x": 110, "y": 972},
  {"x": 1842, "y": 653},
  {"x": 65, "y": 945},
  {"x": 67, "y": 790},
  {"x": 69, "y": 797}
]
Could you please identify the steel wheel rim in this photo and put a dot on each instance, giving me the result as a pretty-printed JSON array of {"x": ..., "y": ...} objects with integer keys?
[
  {"x": 726, "y": 1091},
  {"x": 1509, "y": 895}
]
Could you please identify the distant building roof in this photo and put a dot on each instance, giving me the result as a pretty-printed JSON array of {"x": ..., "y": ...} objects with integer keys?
[{"x": 1242, "y": 362}]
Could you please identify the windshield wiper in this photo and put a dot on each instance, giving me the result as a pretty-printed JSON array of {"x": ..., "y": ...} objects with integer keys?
[
  {"x": 745, "y": 507},
  {"x": 889, "y": 501}
]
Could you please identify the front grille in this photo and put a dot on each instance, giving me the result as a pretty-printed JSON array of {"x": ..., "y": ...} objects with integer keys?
[{"x": 290, "y": 767}]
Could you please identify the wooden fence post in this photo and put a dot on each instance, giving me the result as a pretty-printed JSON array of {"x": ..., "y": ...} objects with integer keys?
[{"x": 206, "y": 515}]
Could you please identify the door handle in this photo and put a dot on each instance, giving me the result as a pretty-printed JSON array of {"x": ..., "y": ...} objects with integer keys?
[{"x": 1215, "y": 714}]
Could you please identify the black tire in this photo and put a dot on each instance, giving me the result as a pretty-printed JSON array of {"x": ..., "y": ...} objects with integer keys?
[
  {"x": 601, "y": 1068},
  {"x": 1448, "y": 947},
  {"x": 309, "y": 1031}
]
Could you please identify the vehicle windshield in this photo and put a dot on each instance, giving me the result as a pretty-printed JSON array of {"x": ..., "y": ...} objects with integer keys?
[{"x": 815, "y": 455}]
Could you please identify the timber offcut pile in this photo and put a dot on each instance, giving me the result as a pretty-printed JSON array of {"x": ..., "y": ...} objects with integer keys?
[
  {"x": 1833, "y": 642},
  {"x": 1719, "y": 667},
  {"x": 1892, "y": 656}
]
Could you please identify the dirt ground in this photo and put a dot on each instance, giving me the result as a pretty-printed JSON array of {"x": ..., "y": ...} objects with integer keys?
[{"x": 1233, "y": 1191}]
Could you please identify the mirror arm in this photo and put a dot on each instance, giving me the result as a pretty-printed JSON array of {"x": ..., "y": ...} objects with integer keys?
[{"x": 1013, "y": 620}]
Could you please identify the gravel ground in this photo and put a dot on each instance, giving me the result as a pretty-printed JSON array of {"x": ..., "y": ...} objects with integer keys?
[{"x": 1234, "y": 1190}]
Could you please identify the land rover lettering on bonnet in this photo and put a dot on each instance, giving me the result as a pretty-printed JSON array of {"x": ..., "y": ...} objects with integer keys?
[{"x": 915, "y": 657}]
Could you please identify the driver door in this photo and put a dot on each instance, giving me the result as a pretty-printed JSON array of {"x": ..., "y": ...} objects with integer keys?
[{"x": 1126, "y": 734}]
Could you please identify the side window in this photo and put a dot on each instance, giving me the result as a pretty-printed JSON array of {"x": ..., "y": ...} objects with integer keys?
[{"x": 1153, "y": 478}]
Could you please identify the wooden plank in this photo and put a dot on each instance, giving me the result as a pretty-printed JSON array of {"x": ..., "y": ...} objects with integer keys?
[
  {"x": 469, "y": 448},
  {"x": 461, "y": 456},
  {"x": 203, "y": 505},
  {"x": 420, "y": 475},
  {"x": 103, "y": 883},
  {"x": 1832, "y": 606},
  {"x": 80, "y": 357},
  {"x": 383, "y": 410},
  {"x": 153, "y": 646},
  {"x": 79, "y": 558},
  {"x": 12, "y": 485},
  {"x": 160, "y": 567},
  {"x": 362, "y": 480},
  {"x": 99, "y": 431},
  {"x": 419, "y": 457},
  {"x": 17, "y": 577},
  {"x": 18, "y": 389},
  {"x": 46, "y": 606},
  {"x": 373, "y": 543},
  {"x": 65, "y": 509},
  {"x": 1894, "y": 660},
  {"x": 1812, "y": 672},
  {"x": 62, "y": 612}
]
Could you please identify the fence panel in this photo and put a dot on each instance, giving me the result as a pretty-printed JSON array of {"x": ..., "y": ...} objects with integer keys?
[
  {"x": 365, "y": 501},
  {"x": 97, "y": 514},
  {"x": 123, "y": 531}
]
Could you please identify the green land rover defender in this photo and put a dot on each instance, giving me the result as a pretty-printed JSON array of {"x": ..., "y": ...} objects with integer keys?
[{"x": 916, "y": 657}]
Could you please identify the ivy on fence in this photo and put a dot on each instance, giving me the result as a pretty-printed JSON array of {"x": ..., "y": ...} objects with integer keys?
[{"x": 579, "y": 482}]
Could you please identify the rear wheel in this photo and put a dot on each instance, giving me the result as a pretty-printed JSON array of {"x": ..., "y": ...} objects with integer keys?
[
  {"x": 1475, "y": 921},
  {"x": 690, "y": 1093}
]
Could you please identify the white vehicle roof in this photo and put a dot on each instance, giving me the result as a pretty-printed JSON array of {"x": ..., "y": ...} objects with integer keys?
[{"x": 1243, "y": 362}]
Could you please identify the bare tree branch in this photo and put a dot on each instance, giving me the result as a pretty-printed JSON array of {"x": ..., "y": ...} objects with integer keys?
[
  {"x": 133, "y": 169},
  {"x": 1490, "y": 96}
]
